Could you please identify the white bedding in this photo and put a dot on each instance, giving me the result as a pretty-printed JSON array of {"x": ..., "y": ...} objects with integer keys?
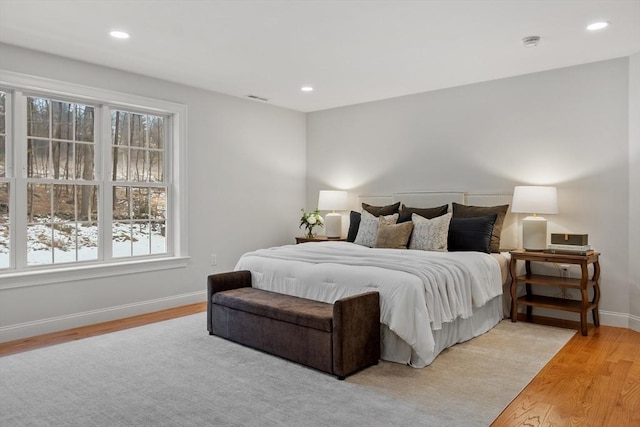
[{"x": 421, "y": 292}]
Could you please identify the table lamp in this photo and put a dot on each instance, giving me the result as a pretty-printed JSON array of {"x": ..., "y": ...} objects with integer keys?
[
  {"x": 330, "y": 200},
  {"x": 534, "y": 200}
]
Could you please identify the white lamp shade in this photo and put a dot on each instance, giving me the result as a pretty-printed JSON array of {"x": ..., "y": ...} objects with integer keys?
[
  {"x": 535, "y": 199},
  {"x": 330, "y": 200}
]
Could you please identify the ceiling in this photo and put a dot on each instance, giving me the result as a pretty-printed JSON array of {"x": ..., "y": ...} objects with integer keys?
[{"x": 349, "y": 51}]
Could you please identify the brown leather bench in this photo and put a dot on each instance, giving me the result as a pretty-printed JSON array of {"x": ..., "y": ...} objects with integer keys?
[{"x": 339, "y": 338}]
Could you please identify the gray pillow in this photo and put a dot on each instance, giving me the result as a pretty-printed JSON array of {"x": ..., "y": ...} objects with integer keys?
[
  {"x": 368, "y": 230},
  {"x": 430, "y": 234}
]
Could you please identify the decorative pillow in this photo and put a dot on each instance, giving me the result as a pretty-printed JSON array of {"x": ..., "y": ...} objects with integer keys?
[
  {"x": 368, "y": 230},
  {"x": 394, "y": 236},
  {"x": 381, "y": 210},
  {"x": 464, "y": 211},
  {"x": 471, "y": 234},
  {"x": 428, "y": 213},
  {"x": 430, "y": 234},
  {"x": 354, "y": 224}
]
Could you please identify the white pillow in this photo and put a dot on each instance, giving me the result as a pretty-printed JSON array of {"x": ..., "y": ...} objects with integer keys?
[
  {"x": 430, "y": 234},
  {"x": 368, "y": 230}
]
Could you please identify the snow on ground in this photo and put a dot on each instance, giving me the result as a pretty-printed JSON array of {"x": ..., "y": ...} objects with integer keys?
[{"x": 79, "y": 242}]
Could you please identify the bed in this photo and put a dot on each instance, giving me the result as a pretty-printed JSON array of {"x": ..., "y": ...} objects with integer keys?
[{"x": 428, "y": 300}]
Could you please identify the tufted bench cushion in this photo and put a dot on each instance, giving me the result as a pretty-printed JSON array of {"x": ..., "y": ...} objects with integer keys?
[
  {"x": 339, "y": 338},
  {"x": 299, "y": 311}
]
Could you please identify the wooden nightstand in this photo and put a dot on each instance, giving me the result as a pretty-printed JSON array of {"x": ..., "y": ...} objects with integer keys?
[
  {"x": 582, "y": 306},
  {"x": 319, "y": 239}
]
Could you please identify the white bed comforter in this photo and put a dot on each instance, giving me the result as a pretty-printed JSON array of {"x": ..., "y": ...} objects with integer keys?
[{"x": 419, "y": 290}]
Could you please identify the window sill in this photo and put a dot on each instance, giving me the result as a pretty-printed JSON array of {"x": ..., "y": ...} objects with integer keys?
[{"x": 69, "y": 274}]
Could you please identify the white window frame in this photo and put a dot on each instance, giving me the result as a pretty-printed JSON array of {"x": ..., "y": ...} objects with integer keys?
[{"x": 176, "y": 154}]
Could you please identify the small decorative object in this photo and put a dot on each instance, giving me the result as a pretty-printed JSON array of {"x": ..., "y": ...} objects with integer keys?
[{"x": 310, "y": 220}]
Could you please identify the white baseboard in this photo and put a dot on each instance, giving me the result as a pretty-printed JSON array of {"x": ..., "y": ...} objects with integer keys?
[
  {"x": 620, "y": 320},
  {"x": 634, "y": 322},
  {"x": 75, "y": 320}
]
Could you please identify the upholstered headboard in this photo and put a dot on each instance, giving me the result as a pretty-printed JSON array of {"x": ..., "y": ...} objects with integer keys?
[{"x": 425, "y": 199}]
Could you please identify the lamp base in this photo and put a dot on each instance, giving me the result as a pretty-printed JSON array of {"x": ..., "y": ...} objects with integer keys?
[
  {"x": 534, "y": 233},
  {"x": 333, "y": 225}
]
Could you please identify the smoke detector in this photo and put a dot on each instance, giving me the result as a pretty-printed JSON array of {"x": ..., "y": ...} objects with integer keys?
[{"x": 531, "y": 41}]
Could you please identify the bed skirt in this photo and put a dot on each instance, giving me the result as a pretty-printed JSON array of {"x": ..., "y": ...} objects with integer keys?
[{"x": 484, "y": 318}]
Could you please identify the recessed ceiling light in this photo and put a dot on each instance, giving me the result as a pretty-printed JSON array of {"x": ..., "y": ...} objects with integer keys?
[
  {"x": 597, "y": 26},
  {"x": 119, "y": 35},
  {"x": 306, "y": 88}
]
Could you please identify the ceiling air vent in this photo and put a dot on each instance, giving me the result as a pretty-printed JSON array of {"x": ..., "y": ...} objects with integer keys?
[{"x": 257, "y": 98}]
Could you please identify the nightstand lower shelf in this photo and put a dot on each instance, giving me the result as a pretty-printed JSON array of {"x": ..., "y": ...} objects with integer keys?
[{"x": 541, "y": 301}]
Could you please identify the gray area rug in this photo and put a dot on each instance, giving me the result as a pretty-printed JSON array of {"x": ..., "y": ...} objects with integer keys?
[{"x": 173, "y": 373}]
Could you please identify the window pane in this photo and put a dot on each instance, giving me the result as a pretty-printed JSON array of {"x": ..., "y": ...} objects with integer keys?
[
  {"x": 156, "y": 166},
  {"x": 5, "y": 245},
  {"x": 121, "y": 238},
  {"x": 158, "y": 240},
  {"x": 138, "y": 130},
  {"x": 38, "y": 202},
  {"x": 140, "y": 238},
  {"x": 38, "y": 117},
  {"x": 84, "y": 123},
  {"x": 62, "y": 159},
  {"x": 121, "y": 203},
  {"x": 3, "y": 109},
  {"x": 38, "y": 159},
  {"x": 85, "y": 161},
  {"x": 140, "y": 202},
  {"x": 137, "y": 170},
  {"x": 156, "y": 132},
  {"x": 158, "y": 203},
  {"x": 3, "y": 160},
  {"x": 5, "y": 241},
  {"x": 4, "y": 202},
  {"x": 64, "y": 242},
  {"x": 39, "y": 249},
  {"x": 62, "y": 115},
  {"x": 120, "y": 169},
  {"x": 119, "y": 128},
  {"x": 87, "y": 241},
  {"x": 64, "y": 203},
  {"x": 87, "y": 202}
]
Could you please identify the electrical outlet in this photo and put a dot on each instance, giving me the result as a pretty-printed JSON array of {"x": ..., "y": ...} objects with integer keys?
[{"x": 214, "y": 259}]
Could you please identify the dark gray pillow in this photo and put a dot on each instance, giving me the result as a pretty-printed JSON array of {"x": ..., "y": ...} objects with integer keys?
[
  {"x": 354, "y": 224},
  {"x": 381, "y": 210},
  {"x": 464, "y": 211},
  {"x": 429, "y": 213},
  {"x": 471, "y": 234}
]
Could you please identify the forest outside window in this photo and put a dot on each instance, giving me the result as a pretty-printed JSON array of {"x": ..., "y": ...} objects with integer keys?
[{"x": 83, "y": 182}]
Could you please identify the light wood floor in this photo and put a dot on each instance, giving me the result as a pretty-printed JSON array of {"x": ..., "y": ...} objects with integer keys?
[{"x": 592, "y": 381}]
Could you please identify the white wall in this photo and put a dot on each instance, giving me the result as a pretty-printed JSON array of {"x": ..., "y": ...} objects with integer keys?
[
  {"x": 246, "y": 185},
  {"x": 567, "y": 127},
  {"x": 634, "y": 189}
]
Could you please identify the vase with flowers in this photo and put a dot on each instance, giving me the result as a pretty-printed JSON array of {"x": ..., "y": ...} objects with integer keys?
[{"x": 309, "y": 220}]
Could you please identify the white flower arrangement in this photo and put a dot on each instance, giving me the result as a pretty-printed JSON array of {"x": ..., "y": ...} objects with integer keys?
[{"x": 310, "y": 220}]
